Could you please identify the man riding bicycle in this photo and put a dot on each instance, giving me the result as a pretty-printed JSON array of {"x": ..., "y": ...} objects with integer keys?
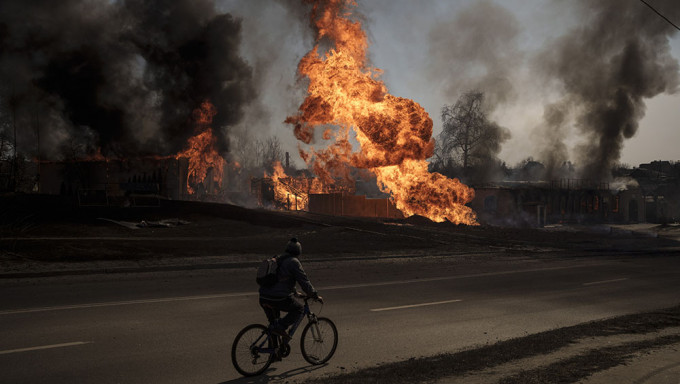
[
  {"x": 257, "y": 346},
  {"x": 281, "y": 296}
]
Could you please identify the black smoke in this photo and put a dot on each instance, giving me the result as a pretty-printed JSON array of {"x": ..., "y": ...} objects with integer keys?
[
  {"x": 123, "y": 76},
  {"x": 607, "y": 66}
]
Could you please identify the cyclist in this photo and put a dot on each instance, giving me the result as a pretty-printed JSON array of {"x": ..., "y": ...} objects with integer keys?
[{"x": 281, "y": 296}]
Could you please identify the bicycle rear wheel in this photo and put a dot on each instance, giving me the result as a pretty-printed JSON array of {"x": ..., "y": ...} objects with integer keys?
[
  {"x": 318, "y": 341},
  {"x": 246, "y": 352}
]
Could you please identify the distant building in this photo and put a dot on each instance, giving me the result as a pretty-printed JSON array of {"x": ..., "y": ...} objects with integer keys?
[{"x": 536, "y": 204}]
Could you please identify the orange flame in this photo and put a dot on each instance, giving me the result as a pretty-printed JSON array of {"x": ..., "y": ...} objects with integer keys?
[
  {"x": 394, "y": 133},
  {"x": 201, "y": 151},
  {"x": 285, "y": 193},
  {"x": 293, "y": 192}
]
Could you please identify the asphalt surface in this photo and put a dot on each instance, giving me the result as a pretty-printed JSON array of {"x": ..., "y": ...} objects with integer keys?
[{"x": 177, "y": 326}]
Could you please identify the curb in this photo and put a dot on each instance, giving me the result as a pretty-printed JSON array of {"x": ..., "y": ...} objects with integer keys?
[
  {"x": 254, "y": 264},
  {"x": 189, "y": 267}
]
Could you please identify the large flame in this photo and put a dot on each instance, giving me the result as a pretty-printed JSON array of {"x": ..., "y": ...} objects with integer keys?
[
  {"x": 201, "y": 151},
  {"x": 394, "y": 133}
]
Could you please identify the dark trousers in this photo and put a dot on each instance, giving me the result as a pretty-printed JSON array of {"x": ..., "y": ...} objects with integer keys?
[{"x": 273, "y": 307}]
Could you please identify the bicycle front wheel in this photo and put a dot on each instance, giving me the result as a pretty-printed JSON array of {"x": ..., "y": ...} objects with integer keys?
[
  {"x": 319, "y": 340},
  {"x": 246, "y": 352}
]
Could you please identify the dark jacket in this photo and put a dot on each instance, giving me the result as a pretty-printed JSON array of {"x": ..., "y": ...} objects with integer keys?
[{"x": 290, "y": 272}]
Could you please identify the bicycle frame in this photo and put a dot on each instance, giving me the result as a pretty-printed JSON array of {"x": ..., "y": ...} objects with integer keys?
[{"x": 259, "y": 344}]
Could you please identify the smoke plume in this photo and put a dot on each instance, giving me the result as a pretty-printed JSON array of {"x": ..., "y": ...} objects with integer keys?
[
  {"x": 123, "y": 76},
  {"x": 276, "y": 34},
  {"x": 607, "y": 67},
  {"x": 477, "y": 50}
]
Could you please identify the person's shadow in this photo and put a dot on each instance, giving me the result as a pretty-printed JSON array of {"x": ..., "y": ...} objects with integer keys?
[{"x": 269, "y": 375}]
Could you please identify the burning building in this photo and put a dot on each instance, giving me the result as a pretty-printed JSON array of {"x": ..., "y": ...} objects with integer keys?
[
  {"x": 309, "y": 193},
  {"x": 128, "y": 181},
  {"x": 121, "y": 78},
  {"x": 196, "y": 173}
]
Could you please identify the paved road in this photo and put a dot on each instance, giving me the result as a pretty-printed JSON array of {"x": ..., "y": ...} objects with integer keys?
[{"x": 178, "y": 327}]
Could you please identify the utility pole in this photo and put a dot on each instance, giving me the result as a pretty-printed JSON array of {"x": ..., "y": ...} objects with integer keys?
[
  {"x": 15, "y": 163},
  {"x": 37, "y": 130}
]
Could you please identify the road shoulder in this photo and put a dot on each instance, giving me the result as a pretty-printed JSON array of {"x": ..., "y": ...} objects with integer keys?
[{"x": 592, "y": 353}]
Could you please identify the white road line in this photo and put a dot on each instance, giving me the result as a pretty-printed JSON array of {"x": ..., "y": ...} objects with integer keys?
[
  {"x": 116, "y": 303},
  {"x": 242, "y": 294},
  {"x": 73, "y": 344},
  {"x": 605, "y": 281},
  {"x": 110, "y": 238},
  {"x": 459, "y": 277},
  {"x": 414, "y": 305}
]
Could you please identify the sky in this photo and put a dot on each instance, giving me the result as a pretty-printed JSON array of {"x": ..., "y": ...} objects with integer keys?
[{"x": 409, "y": 42}]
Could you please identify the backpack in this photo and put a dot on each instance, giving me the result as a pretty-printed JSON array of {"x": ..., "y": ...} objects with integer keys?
[{"x": 267, "y": 272}]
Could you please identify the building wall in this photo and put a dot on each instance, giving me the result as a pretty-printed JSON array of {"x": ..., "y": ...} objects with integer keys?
[
  {"x": 528, "y": 206},
  {"x": 632, "y": 206},
  {"x": 115, "y": 178},
  {"x": 339, "y": 204}
]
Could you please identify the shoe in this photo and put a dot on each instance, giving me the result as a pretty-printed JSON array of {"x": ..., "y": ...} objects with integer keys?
[{"x": 281, "y": 332}]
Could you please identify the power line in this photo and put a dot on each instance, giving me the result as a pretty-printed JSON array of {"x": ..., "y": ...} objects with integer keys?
[{"x": 659, "y": 13}]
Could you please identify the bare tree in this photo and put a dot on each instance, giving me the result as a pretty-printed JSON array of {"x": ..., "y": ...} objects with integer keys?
[
  {"x": 253, "y": 154},
  {"x": 5, "y": 161},
  {"x": 242, "y": 148},
  {"x": 5, "y": 146},
  {"x": 468, "y": 136},
  {"x": 268, "y": 151}
]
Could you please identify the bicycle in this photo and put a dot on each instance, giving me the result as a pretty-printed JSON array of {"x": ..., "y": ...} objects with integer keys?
[{"x": 256, "y": 347}]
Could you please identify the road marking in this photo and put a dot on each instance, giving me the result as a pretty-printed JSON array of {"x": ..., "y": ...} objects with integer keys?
[
  {"x": 605, "y": 281},
  {"x": 243, "y": 294},
  {"x": 73, "y": 344},
  {"x": 414, "y": 305},
  {"x": 114, "y": 238},
  {"x": 116, "y": 303},
  {"x": 460, "y": 277}
]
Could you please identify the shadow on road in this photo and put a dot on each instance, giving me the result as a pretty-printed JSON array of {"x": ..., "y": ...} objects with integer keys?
[{"x": 270, "y": 376}]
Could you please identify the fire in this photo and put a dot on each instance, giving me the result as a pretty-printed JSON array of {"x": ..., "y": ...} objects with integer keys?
[
  {"x": 293, "y": 192},
  {"x": 285, "y": 192},
  {"x": 201, "y": 151},
  {"x": 394, "y": 133}
]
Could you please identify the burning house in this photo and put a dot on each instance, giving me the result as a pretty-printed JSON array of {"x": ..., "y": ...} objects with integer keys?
[
  {"x": 196, "y": 173},
  {"x": 309, "y": 193},
  {"x": 128, "y": 182},
  {"x": 80, "y": 83}
]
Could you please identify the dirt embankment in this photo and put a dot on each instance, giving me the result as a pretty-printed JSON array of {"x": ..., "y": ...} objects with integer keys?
[
  {"x": 55, "y": 229},
  {"x": 565, "y": 355}
]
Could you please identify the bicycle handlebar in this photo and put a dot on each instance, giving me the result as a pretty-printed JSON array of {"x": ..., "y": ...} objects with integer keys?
[{"x": 306, "y": 297}]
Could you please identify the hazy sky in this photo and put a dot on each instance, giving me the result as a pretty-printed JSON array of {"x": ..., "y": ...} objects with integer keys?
[{"x": 407, "y": 40}]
